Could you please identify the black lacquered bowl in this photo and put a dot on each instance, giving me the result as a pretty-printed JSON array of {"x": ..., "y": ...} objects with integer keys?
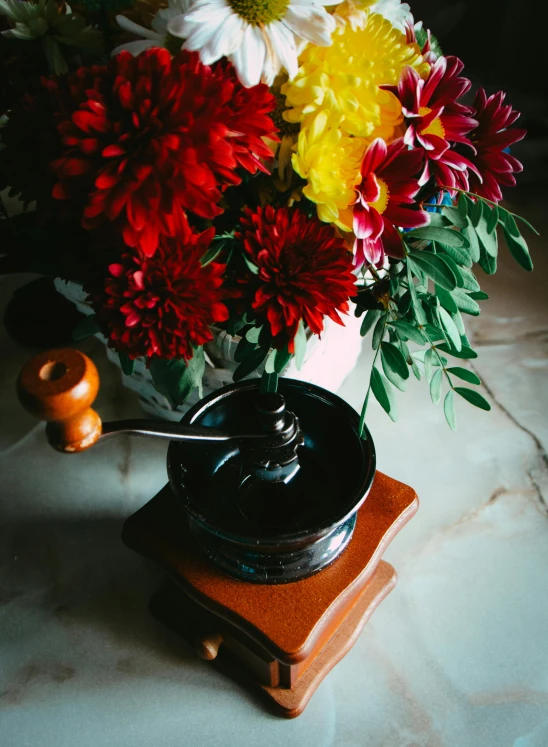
[{"x": 274, "y": 533}]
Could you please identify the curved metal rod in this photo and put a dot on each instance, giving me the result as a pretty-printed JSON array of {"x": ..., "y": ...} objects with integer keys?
[{"x": 175, "y": 431}]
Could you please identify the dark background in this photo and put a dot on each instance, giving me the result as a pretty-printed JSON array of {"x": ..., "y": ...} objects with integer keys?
[{"x": 504, "y": 45}]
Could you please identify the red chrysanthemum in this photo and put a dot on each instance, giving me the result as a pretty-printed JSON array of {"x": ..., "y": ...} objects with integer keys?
[
  {"x": 386, "y": 200},
  {"x": 435, "y": 120},
  {"x": 490, "y": 139},
  {"x": 305, "y": 271},
  {"x": 149, "y": 137},
  {"x": 162, "y": 305}
]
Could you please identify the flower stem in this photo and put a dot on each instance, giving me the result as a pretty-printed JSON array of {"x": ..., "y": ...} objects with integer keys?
[
  {"x": 366, "y": 400},
  {"x": 436, "y": 351}
]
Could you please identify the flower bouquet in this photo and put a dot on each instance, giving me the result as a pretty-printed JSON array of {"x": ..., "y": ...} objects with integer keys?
[{"x": 255, "y": 166}]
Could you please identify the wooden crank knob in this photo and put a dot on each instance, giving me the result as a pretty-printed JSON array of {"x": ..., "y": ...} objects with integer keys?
[
  {"x": 207, "y": 646},
  {"x": 60, "y": 386}
]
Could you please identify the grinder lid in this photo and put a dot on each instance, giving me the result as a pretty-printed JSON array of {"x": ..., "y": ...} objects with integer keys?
[{"x": 336, "y": 471}]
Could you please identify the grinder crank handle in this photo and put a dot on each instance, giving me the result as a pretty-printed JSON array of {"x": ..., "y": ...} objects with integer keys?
[{"x": 60, "y": 386}]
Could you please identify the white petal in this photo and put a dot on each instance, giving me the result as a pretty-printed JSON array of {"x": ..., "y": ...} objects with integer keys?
[
  {"x": 312, "y": 24},
  {"x": 282, "y": 44},
  {"x": 200, "y": 32},
  {"x": 134, "y": 28},
  {"x": 225, "y": 41},
  {"x": 249, "y": 58},
  {"x": 179, "y": 6},
  {"x": 135, "y": 47},
  {"x": 208, "y": 11},
  {"x": 312, "y": 2}
]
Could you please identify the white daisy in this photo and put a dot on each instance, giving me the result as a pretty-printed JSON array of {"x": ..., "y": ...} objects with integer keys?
[
  {"x": 258, "y": 36},
  {"x": 398, "y": 13},
  {"x": 157, "y": 35},
  {"x": 356, "y": 12}
]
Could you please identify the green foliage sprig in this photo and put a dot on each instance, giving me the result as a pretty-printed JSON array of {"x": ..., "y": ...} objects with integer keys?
[{"x": 430, "y": 290}]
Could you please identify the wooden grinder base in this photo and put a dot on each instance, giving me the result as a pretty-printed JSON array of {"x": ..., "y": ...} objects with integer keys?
[{"x": 280, "y": 639}]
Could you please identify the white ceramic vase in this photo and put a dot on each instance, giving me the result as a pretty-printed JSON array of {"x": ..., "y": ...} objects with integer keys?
[{"x": 327, "y": 363}]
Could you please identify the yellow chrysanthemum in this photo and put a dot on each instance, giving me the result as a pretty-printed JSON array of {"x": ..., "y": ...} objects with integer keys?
[
  {"x": 346, "y": 76},
  {"x": 330, "y": 161}
]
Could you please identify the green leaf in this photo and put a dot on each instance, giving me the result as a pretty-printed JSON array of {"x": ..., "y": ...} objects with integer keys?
[
  {"x": 378, "y": 332},
  {"x": 394, "y": 360},
  {"x": 435, "y": 267},
  {"x": 300, "y": 346},
  {"x": 465, "y": 303},
  {"x": 519, "y": 217},
  {"x": 488, "y": 240},
  {"x": 127, "y": 363},
  {"x": 479, "y": 296},
  {"x": 86, "y": 328},
  {"x": 473, "y": 241},
  {"x": 269, "y": 382},
  {"x": 487, "y": 263},
  {"x": 509, "y": 224},
  {"x": 177, "y": 379},
  {"x": 404, "y": 303},
  {"x": 269, "y": 365},
  {"x": 437, "y": 220},
  {"x": 450, "y": 328},
  {"x": 445, "y": 235},
  {"x": 436, "y": 386},
  {"x": 457, "y": 318},
  {"x": 491, "y": 216},
  {"x": 363, "y": 414},
  {"x": 446, "y": 299},
  {"x": 428, "y": 364},
  {"x": 243, "y": 349},
  {"x": 456, "y": 269},
  {"x": 418, "y": 311},
  {"x": 476, "y": 212},
  {"x": 455, "y": 217},
  {"x": 462, "y": 205},
  {"x": 234, "y": 326},
  {"x": 465, "y": 374},
  {"x": 379, "y": 390},
  {"x": 460, "y": 255},
  {"x": 434, "y": 333},
  {"x": 475, "y": 398},
  {"x": 250, "y": 266},
  {"x": 369, "y": 320},
  {"x": 265, "y": 338},
  {"x": 409, "y": 332},
  {"x": 470, "y": 281},
  {"x": 517, "y": 244},
  {"x": 253, "y": 334},
  {"x": 251, "y": 363},
  {"x": 449, "y": 410},
  {"x": 392, "y": 376},
  {"x": 465, "y": 353},
  {"x": 384, "y": 395},
  {"x": 405, "y": 351},
  {"x": 212, "y": 253},
  {"x": 283, "y": 357}
]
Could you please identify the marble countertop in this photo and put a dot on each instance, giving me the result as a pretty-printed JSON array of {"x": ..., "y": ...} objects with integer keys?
[{"x": 457, "y": 656}]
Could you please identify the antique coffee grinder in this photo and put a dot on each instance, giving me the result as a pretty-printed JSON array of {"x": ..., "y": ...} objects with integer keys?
[{"x": 270, "y": 530}]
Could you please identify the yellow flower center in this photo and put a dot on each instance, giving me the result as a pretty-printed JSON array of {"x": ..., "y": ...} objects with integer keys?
[
  {"x": 435, "y": 127},
  {"x": 381, "y": 203},
  {"x": 260, "y": 12}
]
